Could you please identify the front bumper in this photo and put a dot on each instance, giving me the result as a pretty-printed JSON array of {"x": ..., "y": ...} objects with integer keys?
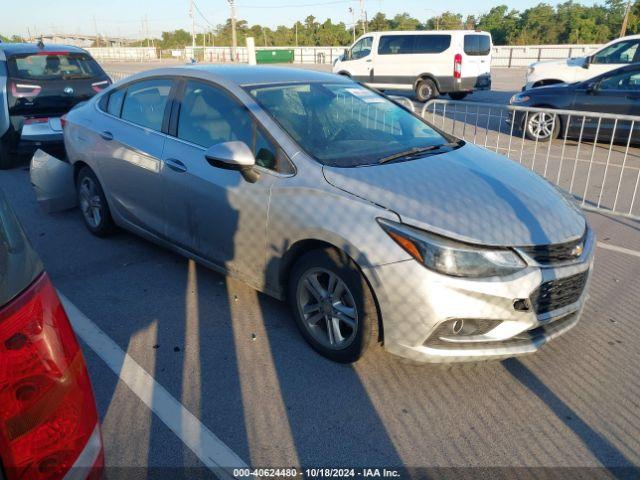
[{"x": 415, "y": 302}]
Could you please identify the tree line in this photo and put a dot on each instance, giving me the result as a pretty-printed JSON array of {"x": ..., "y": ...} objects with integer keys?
[{"x": 543, "y": 24}]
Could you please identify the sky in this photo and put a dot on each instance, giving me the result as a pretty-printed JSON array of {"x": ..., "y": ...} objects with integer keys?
[{"x": 125, "y": 17}]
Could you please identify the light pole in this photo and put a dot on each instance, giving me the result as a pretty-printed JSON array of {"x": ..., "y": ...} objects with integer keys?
[
  {"x": 353, "y": 20},
  {"x": 193, "y": 30},
  {"x": 234, "y": 38}
]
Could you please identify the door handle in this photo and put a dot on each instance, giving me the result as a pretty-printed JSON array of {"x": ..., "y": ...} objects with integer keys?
[
  {"x": 107, "y": 135},
  {"x": 368, "y": 61},
  {"x": 176, "y": 165},
  {"x": 634, "y": 96}
]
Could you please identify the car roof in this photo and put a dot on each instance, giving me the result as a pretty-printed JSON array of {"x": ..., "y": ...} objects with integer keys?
[
  {"x": 27, "y": 48},
  {"x": 426, "y": 32},
  {"x": 243, "y": 75}
]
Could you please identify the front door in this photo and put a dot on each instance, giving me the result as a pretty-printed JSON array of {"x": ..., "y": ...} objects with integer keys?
[
  {"x": 359, "y": 61},
  {"x": 213, "y": 212}
]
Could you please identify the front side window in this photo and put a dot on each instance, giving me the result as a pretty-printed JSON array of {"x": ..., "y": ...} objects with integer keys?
[
  {"x": 626, "y": 81},
  {"x": 396, "y": 45},
  {"x": 209, "y": 116},
  {"x": 362, "y": 48},
  {"x": 477, "y": 45},
  {"x": 145, "y": 103},
  {"x": 344, "y": 124},
  {"x": 619, "y": 53},
  {"x": 53, "y": 66}
]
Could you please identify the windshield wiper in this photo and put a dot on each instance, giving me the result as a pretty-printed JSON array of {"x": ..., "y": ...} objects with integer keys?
[{"x": 416, "y": 151}]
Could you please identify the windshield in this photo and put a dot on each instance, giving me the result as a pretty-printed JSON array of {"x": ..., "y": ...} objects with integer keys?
[
  {"x": 53, "y": 66},
  {"x": 345, "y": 124}
]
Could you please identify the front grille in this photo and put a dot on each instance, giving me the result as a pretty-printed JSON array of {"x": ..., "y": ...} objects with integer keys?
[
  {"x": 558, "y": 293},
  {"x": 550, "y": 254}
]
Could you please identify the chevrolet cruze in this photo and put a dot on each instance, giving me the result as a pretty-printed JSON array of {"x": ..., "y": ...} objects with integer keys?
[{"x": 373, "y": 224}]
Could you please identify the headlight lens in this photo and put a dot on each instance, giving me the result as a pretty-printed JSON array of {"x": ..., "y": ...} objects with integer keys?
[
  {"x": 519, "y": 98},
  {"x": 453, "y": 258}
]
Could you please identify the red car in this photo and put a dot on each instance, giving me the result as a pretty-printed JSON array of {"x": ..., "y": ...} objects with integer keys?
[{"x": 49, "y": 427}]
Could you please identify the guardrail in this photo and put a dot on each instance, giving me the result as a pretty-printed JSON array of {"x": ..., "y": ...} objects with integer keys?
[{"x": 593, "y": 156}]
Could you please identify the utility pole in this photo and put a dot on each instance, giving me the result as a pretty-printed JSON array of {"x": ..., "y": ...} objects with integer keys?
[
  {"x": 362, "y": 17},
  {"x": 193, "y": 29},
  {"x": 353, "y": 20},
  {"x": 627, "y": 11},
  {"x": 95, "y": 25},
  {"x": 234, "y": 37},
  {"x": 296, "y": 24}
]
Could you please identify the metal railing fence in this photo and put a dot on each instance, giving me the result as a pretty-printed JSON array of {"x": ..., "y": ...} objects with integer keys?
[{"x": 593, "y": 156}]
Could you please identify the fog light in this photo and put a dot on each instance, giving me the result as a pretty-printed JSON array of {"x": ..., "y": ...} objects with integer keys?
[{"x": 522, "y": 305}]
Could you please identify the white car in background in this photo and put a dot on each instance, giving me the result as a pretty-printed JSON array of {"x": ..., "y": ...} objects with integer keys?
[{"x": 615, "y": 54}]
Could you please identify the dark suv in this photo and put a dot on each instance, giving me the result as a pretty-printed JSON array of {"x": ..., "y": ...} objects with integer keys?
[{"x": 38, "y": 84}]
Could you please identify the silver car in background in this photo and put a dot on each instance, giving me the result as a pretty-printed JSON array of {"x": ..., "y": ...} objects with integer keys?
[{"x": 374, "y": 225}]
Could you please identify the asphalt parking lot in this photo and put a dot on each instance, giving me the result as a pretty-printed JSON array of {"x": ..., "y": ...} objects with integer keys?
[{"x": 215, "y": 370}]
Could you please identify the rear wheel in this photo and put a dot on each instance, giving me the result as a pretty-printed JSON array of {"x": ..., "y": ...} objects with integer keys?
[
  {"x": 93, "y": 204},
  {"x": 426, "y": 90},
  {"x": 457, "y": 95},
  {"x": 333, "y": 305},
  {"x": 542, "y": 126}
]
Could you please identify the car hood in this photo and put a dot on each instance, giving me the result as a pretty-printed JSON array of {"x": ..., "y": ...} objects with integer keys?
[
  {"x": 553, "y": 64},
  {"x": 469, "y": 194}
]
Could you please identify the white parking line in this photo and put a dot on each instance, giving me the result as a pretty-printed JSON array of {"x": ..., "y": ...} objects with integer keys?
[
  {"x": 205, "y": 444},
  {"x": 615, "y": 248}
]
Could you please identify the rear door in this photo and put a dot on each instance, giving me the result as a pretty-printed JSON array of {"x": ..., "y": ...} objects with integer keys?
[
  {"x": 476, "y": 60},
  {"x": 129, "y": 142}
]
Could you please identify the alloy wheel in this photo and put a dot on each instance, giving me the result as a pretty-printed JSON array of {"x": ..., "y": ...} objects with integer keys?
[
  {"x": 327, "y": 308},
  {"x": 541, "y": 125},
  {"x": 90, "y": 202}
]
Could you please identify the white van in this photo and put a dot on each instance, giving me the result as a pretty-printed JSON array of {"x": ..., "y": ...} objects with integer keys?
[
  {"x": 430, "y": 63},
  {"x": 615, "y": 54}
]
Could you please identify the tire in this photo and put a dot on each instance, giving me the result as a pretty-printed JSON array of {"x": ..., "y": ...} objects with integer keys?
[
  {"x": 426, "y": 90},
  {"x": 541, "y": 127},
  {"x": 457, "y": 95},
  {"x": 352, "y": 300},
  {"x": 93, "y": 204},
  {"x": 6, "y": 160}
]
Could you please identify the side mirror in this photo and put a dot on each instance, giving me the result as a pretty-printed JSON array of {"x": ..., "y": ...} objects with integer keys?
[
  {"x": 587, "y": 62},
  {"x": 592, "y": 87},
  {"x": 233, "y": 156},
  {"x": 347, "y": 54}
]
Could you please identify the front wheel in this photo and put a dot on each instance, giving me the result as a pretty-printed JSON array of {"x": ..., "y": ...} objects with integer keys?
[
  {"x": 93, "y": 204},
  {"x": 542, "y": 126},
  {"x": 333, "y": 305}
]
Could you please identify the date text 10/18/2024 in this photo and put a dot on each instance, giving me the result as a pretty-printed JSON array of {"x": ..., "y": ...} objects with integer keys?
[{"x": 316, "y": 472}]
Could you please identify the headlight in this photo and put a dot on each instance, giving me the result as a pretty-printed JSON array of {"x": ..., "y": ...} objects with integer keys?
[
  {"x": 450, "y": 257},
  {"x": 519, "y": 98}
]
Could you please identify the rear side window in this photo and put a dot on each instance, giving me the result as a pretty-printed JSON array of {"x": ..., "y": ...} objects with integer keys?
[
  {"x": 395, "y": 45},
  {"x": 53, "y": 66},
  {"x": 114, "y": 103},
  {"x": 145, "y": 103},
  {"x": 431, "y": 43},
  {"x": 477, "y": 45}
]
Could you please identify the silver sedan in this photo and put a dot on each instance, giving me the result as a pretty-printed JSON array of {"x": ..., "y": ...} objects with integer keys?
[{"x": 373, "y": 224}]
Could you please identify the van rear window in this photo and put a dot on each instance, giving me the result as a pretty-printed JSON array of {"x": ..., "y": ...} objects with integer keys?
[
  {"x": 477, "y": 45},
  {"x": 53, "y": 66}
]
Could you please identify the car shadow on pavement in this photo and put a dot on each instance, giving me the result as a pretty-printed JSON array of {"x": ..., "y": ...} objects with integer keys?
[{"x": 606, "y": 453}]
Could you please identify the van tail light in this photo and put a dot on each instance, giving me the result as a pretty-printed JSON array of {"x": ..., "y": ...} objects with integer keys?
[
  {"x": 457, "y": 66},
  {"x": 25, "y": 90},
  {"x": 48, "y": 419},
  {"x": 99, "y": 86}
]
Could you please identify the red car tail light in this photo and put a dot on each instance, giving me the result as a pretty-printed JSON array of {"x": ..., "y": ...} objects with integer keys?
[
  {"x": 99, "y": 86},
  {"x": 48, "y": 417},
  {"x": 25, "y": 90},
  {"x": 457, "y": 66},
  {"x": 32, "y": 121}
]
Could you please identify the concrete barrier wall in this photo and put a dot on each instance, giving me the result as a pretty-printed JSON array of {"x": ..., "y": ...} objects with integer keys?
[{"x": 502, "y": 56}]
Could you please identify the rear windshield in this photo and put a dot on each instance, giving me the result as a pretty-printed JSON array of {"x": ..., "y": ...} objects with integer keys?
[
  {"x": 53, "y": 66},
  {"x": 477, "y": 45}
]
